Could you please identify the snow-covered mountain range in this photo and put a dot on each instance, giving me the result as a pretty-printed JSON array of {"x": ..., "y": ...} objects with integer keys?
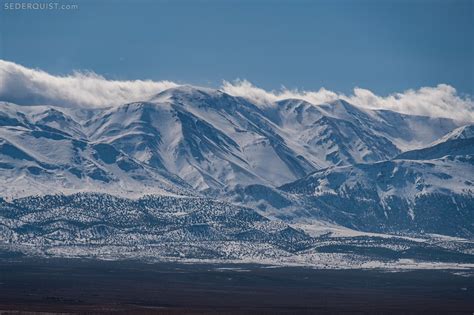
[
  {"x": 202, "y": 139},
  {"x": 289, "y": 162}
]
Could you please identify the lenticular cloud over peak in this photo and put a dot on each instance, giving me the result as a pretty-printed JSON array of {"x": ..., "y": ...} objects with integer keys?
[
  {"x": 25, "y": 86},
  {"x": 439, "y": 101}
]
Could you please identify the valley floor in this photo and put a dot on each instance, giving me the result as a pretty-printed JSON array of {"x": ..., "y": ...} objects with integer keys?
[{"x": 124, "y": 287}]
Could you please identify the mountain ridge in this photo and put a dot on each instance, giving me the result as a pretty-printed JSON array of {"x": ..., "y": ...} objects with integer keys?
[
  {"x": 247, "y": 182},
  {"x": 212, "y": 140},
  {"x": 203, "y": 142}
]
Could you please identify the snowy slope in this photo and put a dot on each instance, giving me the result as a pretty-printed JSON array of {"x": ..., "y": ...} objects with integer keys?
[
  {"x": 293, "y": 161},
  {"x": 188, "y": 137},
  {"x": 38, "y": 158},
  {"x": 404, "y": 131},
  {"x": 463, "y": 132},
  {"x": 458, "y": 142},
  {"x": 429, "y": 190},
  {"x": 400, "y": 196},
  {"x": 425, "y": 196}
]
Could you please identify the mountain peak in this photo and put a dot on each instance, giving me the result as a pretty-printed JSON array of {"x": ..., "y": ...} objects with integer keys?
[{"x": 187, "y": 92}]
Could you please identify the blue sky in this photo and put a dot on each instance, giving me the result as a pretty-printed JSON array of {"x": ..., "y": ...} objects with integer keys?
[{"x": 385, "y": 46}]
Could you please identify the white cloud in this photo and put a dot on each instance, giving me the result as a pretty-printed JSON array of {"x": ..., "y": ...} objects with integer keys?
[
  {"x": 21, "y": 85},
  {"x": 25, "y": 86},
  {"x": 442, "y": 101},
  {"x": 257, "y": 95},
  {"x": 439, "y": 101}
]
